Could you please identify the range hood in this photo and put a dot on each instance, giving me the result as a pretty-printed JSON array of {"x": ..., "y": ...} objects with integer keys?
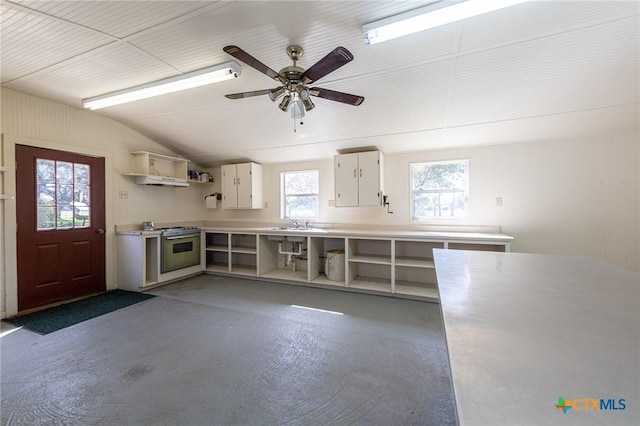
[{"x": 160, "y": 180}]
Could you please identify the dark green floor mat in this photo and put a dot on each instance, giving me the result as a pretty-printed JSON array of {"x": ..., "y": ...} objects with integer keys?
[{"x": 57, "y": 317}]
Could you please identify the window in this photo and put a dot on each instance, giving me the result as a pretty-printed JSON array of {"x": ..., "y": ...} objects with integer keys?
[
  {"x": 62, "y": 195},
  {"x": 439, "y": 190},
  {"x": 300, "y": 194}
]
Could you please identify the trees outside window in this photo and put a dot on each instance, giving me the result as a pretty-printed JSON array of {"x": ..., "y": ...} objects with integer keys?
[
  {"x": 300, "y": 194},
  {"x": 439, "y": 190},
  {"x": 63, "y": 194}
]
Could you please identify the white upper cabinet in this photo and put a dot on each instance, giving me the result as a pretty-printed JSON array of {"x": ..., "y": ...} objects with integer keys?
[
  {"x": 242, "y": 186},
  {"x": 358, "y": 179}
]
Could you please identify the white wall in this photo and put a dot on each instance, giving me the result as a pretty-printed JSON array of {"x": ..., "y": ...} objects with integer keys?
[
  {"x": 577, "y": 196},
  {"x": 37, "y": 122}
]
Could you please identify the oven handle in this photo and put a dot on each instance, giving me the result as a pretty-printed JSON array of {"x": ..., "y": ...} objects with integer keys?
[{"x": 180, "y": 237}]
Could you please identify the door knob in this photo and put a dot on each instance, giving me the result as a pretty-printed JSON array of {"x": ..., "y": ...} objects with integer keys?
[{"x": 99, "y": 231}]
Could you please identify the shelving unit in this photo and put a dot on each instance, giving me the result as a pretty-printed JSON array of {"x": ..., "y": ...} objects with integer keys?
[
  {"x": 148, "y": 163},
  {"x": 217, "y": 252},
  {"x": 369, "y": 264},
  {"x": 4, "y": 196},
  {"x": 317, "y": 254},
  {"x": 158, "y": 169},
  {"x": 395, "y": 266},
  {"x": 415, "y": 268},
  {"x": 272, "y": 266},
  {"x": 242, "y": 254}
]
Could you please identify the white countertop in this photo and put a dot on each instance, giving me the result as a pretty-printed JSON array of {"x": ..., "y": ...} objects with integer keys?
[
  {"x": 371, "y": 232},
  {"x": 339, "y": 232},
  {"x": 523, "y": 330}
]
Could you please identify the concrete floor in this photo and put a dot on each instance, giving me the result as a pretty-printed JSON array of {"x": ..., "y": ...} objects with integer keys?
[{"x": 214, "y": 350}]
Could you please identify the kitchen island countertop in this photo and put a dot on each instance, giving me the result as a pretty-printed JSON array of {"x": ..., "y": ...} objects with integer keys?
[{"x": 528, "y": 332}]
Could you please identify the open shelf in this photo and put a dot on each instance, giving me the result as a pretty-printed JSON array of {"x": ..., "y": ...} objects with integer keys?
[
  {"x": 247, "y": 250},
  {"x": 371, "y": 283},
  {"x": 217, "y": 267},
  {"x": 371, "y": 258},
  {"x": 477, "y": 246},
  {"x": 217, "y": 248},
  {"x": 243, "y": 270},
  {"x": 426, "y": 290},
  {"x": 322, "y": 279},
  {"x": 415, "y": 262},
  {"x": 243, "y": 243},
  {"x": 369, "y": 251},
  {"x": 286, "y": 274},
  {"x": 217, "y": 261}
]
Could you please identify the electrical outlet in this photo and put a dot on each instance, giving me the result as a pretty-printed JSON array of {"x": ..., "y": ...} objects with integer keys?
[
  {"x": 123, "y": 195},
  {"x": 499, "y": 201},
  {"x": 332, "y": 203}
]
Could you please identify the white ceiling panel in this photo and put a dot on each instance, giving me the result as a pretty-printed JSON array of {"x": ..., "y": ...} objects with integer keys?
[
  {"x": 531, "y": 71},
  {"x": 32, "y": 42},
  {"x": 99, "y": 71},
  {"x": 585, "y": 69},
  {"x": 538, "y": 19},
  {"x": 117, "y": 18}
]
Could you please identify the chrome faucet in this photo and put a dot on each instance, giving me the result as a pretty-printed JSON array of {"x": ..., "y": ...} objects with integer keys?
[{"x": 295, "y": 223}]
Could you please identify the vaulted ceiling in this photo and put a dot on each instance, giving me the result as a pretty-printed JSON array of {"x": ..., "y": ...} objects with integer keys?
[{"x": 538, "y": 70}]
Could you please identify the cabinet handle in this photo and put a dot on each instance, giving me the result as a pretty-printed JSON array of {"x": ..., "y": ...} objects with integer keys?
[
  {"x": 354, "y": 173},
  {"x": 234, "y": 181},
  {"x": 238, "y": 181},
  {"x": 360, "y": 172}
]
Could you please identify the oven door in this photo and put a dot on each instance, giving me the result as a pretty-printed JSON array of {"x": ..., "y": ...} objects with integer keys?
[{"x": 180, "y": 251}]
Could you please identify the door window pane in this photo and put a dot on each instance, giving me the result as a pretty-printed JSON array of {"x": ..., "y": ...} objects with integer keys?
[
  {"x": 81, "y": 174},
  {"x": 46, "y": 218},
  {"x": 46, "y": 171},
  {"x": 64, "y": 172},
  {"x": 63, "y": 195}
]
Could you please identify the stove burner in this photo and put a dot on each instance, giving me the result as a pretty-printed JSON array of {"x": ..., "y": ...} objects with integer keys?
[{"x": 179, "y": 230}]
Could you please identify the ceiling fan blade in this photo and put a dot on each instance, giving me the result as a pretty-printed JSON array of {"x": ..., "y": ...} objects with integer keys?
[
  {"x": 243, "y": 56},
  {"x": 248, "y": 94},
  {"x": 334, "y": 60},
  {"x": 332, "y": 95}
]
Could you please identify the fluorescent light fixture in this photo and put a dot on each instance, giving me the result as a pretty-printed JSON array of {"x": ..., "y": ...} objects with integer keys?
[
  {"x": 433, "y": 15},
  {"x": 209, "y": 75}
]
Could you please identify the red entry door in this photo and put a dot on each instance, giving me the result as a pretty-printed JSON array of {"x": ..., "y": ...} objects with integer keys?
[{"x": 60, "y": 202}]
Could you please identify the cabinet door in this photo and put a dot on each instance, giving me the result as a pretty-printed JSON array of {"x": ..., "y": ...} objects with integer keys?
[
  {"x": 229, "y": 187},
  {"x": 243, "y": 180},
  {"x": 346, "y": 179},
  {"x": 369, "y": 178}
]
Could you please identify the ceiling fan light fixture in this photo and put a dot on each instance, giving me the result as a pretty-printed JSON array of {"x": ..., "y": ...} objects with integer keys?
[
  {"x": 433, "y": 15},
  {"x": 308, "y": 104},
  {"x": 303, "y": 92},
  {"x": 297, "y": 109},
  {"x": 201, "y": 77},
  {"x": 284, "y": 104},
  {"x": 274, "y": 94}
]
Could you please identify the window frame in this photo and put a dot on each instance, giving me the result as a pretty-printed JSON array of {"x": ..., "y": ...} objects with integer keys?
[
  {"x": 433, "y": 219},
  {"x": 284, "y": 195}
]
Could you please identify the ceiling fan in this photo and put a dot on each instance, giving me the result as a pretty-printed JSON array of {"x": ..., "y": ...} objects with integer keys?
[{"x": 294, "y": 80}]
